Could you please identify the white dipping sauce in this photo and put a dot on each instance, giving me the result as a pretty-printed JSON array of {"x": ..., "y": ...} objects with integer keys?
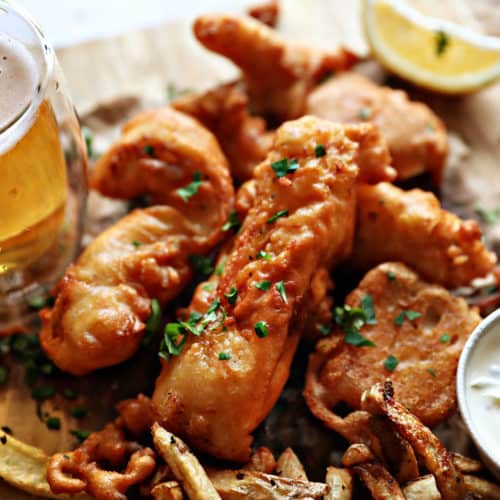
[{"x": 482, "y": 388}]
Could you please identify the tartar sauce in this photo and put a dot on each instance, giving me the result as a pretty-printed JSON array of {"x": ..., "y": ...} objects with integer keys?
[{"x": 483, "y": 391}]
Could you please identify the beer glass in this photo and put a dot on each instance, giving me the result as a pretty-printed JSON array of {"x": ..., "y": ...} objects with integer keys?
[{"x": 42, "y": 167}]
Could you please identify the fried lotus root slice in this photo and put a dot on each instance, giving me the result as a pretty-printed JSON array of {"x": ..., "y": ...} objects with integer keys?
[
  {"x": 278, "y": 74},
  {"x": 224, "y": 111},
  {"x": 104, "y": 300},
  {"x": 297, "y": 224},
  {"x": 79, "y": 470},
  {"x": 411, "y": 227},
  {"x": 412, "y": 317},
  {"x": 416, "y": 136},
  {"x": 379, "y": 399}
]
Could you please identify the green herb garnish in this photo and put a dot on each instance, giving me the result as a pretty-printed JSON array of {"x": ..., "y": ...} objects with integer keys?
[
  {"x": 263, "y": 285},
  {"x": 232, "y": 223},
  {"x": 319, "y": 151},
  {"x": 78, "y": 412},
  {"x": 89, "y": 140},
  {"x": 282, "y": 213},
  {"x": 280, "y": 287},
  {"x": 80, "y": 435},
  {"x": 43, "y": 392},
  {"x": 351, "y": 319},
  {"x": 69, "y": 394},
  {"x": 38, "y": 303},
  {"x": 264, "y": 255},
  {"x": 391, "y": 362},
  {"x": 284, "y": 167},
  {"x": 431, "y": 371},
  {"x": 410, "y": 315},
  {"x": 445, "y": 338},
  {"x": 369, "y": 309},
  {"x": 324, "y": 330},
  {"x": 153, "y": 322},
  {"x": 391, "y": 276},
  {"x": 136, "y": 244},
  {"x": 224, "y": 356},
  {"x": 149, "y": 150},
  {"x": 261, "y": 329},
  {"x": 488, "y": 216},
  {"x": 53, "y": 423},
  {"x": 191, "y": 189},
  {"x": 232, "y": 295},
  {"x": 365, "y": 113}
]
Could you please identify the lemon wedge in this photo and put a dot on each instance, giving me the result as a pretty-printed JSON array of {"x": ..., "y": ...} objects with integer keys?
[{"x": 429, "y": 52}]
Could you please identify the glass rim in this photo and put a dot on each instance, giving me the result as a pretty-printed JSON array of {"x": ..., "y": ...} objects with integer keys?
[{"x": 45, "y": 63}]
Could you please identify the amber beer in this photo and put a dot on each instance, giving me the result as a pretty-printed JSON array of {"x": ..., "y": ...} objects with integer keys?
[{"x": 33, "y": 191}]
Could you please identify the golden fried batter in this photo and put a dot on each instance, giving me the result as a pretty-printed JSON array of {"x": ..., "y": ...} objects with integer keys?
[
  {"x": 104, "y": 300},
  {"x": 421, "y": 325},
  {"x": 266, "y": 12},
  {"x": 411, "y": 227},
  {"x": 224, "y": 111},
  {"x": 416, "y": 136},
  {"x": 278, "y": 74},
  {"x": 298, "y": 223}
]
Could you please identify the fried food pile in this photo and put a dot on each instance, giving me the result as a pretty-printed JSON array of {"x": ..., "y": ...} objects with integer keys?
[{"x": 318, "y": 200}]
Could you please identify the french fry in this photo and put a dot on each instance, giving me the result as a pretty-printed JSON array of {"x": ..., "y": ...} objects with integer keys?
[
  {"x": 167, "y": 491},
  {"x": 380, "y": 482},
  {"x": 262, "y": 460},
  {"x": 185, "y": 466},
  {"x": 397, "y": 451},
  {"x": 424, "y": 488},
  {"x": 340, "y": 483},
  {"x": 289, "y": 465},
  {"x": 380, "y": 400},
  {"x": 244, "y": 484},
  {"x": 466, "y": 465},
  {"x": 25, "y": 467}
]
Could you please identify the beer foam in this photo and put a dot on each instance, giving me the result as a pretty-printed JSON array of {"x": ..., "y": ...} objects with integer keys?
[{"x": 19, "y": 79}]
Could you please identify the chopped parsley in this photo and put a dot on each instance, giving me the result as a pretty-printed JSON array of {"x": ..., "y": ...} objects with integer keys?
[
  {"x": 263, "y": 285},
  {"x": 232, "y": 223},
  {"x": 324, "y": 330},
  {"x": 280, "y": 287},
  {"x": 410, "y": 315},
  {"x": 219, "y": 270},
  {"x": 442, "y": 41},
  {"x": 201, "y": 264},
  {"x": 38, "y": 303},
  {"x": 276, "y": 216},
  {"x": 391, "y": 276},
  {"x": 53, "y": 423},
  {"x": 488, "y": 216},
  {"x": 391, "y": 362},
  {"x": 319, "y": 151},
  {"x": 191, "y": 189},
  {"x": 351, "y": 319},
  {"x": 78, "y": 412},
  {"x": 369, "y": 309},
  {"x": 209, "y": 287},
  {"x": 491, "y": 290},
  {"x": 261, "y": 329},
  {"x": 173, "y": 91},
  {"x": 445, "y": 338},
  {"x": 232, "y": 296},
  {"x": 431, "y": 371},
  {"x": 153, "y": 322},
  {"x": 224, "y": 356},
  {"x": 264, "y": 255},
  {"x": 171, "y": 345},
  {"x": 365, "y": 113},
  {"x": 284, "y": 167},
  {"x": 136, "y": 243},
  {"x": 80, "y": 435},
  {"x": 149, "y": 150}
]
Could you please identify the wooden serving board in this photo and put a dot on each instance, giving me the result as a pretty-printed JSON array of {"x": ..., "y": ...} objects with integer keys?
[{"x": 143, "y": 63}]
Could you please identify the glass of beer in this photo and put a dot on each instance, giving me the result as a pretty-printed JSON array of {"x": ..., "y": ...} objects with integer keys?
[{"x": 42, "y": 167}]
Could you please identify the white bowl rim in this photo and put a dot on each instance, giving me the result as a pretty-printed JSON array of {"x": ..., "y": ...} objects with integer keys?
[{"x": 479, "y": 332}]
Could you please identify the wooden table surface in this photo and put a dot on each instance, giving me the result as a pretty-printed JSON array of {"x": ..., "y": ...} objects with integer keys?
[{"x": 143, "y": 63}]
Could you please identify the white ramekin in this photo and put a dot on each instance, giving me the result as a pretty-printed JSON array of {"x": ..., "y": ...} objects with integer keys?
[{"x": 490, "y": 452}]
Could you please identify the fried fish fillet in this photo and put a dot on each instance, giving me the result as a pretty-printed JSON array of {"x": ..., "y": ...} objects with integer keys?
[
  {"x": 419, "y": 332},
  {"x": 297, "y": 224},
  {"x": 278, "y": 74},
  {"x": 224, "y": 111},
  {"x": 411, "y": 227},
  {"x": 104, "y": 299},
  {"x": 416, "y": 137}
]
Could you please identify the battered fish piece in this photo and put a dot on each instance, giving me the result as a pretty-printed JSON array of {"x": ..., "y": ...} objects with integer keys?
[
  {"x": 411, "y": 227},
  {"x": 297, "y": 224},
  {"x": 416, "y": 136},
  {"x": 104, "y": 300},
  {"x": 422, "y": 326},
  {"x": 278, "y": 74},
  {"x": 224, "y": 111}
]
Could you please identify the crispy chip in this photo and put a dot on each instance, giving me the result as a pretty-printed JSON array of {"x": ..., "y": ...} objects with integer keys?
[
  {"x": 290, "y": 466},
  {"x": 167, "y": 491},
  {"x": 340, "y": 484}
]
